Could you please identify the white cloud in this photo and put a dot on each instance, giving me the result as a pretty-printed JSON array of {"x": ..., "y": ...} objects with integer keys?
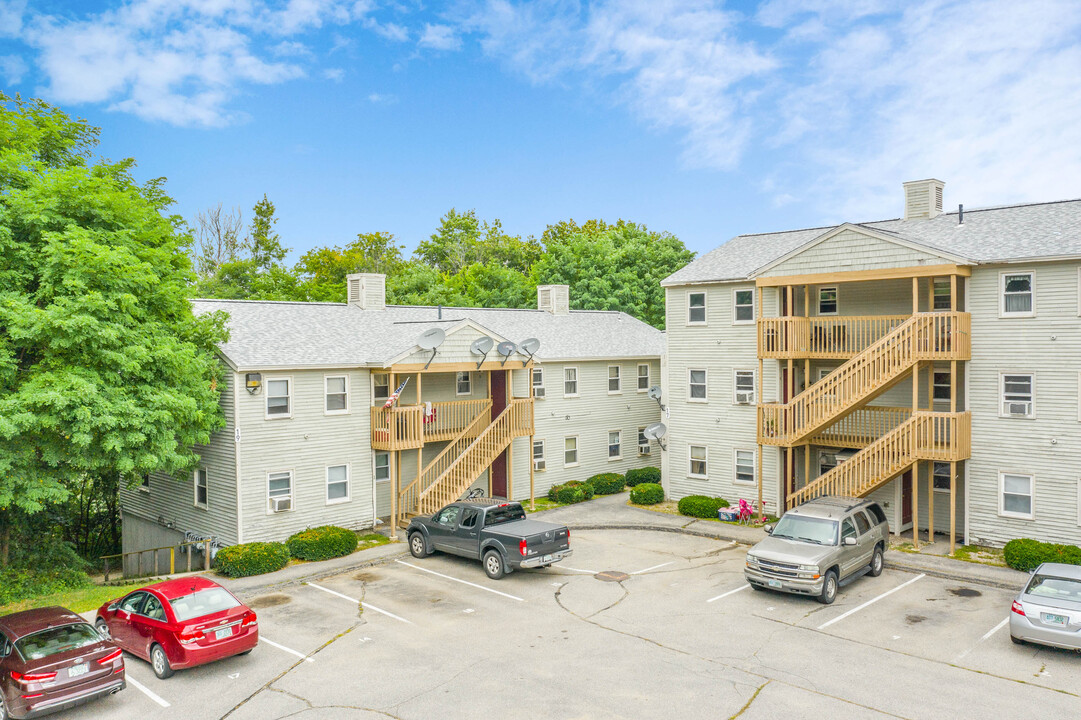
[
  {"x": 12, "y": 69},
  {"x": 11, "y": 17},
  {"x": 291, "y": 48},
  {"x": 379, "y": 99},
  {"x": 334, "y": 74},
  {"x": 439, "y": 37}
]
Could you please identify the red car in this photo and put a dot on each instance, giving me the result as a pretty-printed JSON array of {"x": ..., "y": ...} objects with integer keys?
[
  {"x": 180, "y": 623},
  {"x": 51, "y": 659}
]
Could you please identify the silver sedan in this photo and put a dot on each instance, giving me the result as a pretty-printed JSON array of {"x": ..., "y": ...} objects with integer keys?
[{"x": 1048, "y": 610}]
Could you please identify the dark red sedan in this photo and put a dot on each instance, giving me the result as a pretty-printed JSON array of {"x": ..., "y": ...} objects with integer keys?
[
  {"x": 180, "y": 623},
  {"x": 51, "y": 659}
]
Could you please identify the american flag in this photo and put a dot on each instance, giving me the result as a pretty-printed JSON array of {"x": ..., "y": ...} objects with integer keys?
[{"x": 394, "y": 395}]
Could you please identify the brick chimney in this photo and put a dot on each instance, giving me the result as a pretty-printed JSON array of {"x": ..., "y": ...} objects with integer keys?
[
  {"x": 367, "y": 291},
  {"x": 923, "y": 199},
  {"x": 554, "y": 299}
]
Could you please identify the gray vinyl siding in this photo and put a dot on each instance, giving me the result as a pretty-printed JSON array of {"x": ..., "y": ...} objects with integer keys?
[
  {"x": 720, "y": 347},
  {"x": 849, "y": 250},
  {"x": 455, "y": 348},
  {"x": 170, "y": 502},
  {"x": 306, "y": 444},
  {"x": 1048, "y": 446}
]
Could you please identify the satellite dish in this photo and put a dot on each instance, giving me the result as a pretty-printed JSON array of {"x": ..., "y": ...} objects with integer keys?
[
  {"x": 529, "y": 346},
  {"x": 430, "y": 340},
  {"x": 506, "y": 349},
  {"x": 481, "y": 346},
  {"x": 655, "y": 392},
  {"x": 656, "y": 431}
]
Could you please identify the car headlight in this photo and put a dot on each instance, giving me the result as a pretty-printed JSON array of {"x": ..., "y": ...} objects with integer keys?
[
  {"x": 751, "y": 559},
  {"x": 809, "y": 568}
]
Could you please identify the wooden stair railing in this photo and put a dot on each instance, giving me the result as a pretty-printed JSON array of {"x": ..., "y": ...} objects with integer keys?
[
  {"x": 924, "y": 436},
  {"x": 923, "y": 337},
  {"x": 515, "y": 420},
  {"x": 408, "y": 496}
]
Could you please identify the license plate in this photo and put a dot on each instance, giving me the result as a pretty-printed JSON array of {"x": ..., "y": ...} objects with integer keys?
[
  {"x": 1055, "y": 619},
  {"x": 546, "y": 558},
  {"x": 775, "y": 583},
  {"x": 77, "y": 670},
  {"x": 223, "y": 633}
]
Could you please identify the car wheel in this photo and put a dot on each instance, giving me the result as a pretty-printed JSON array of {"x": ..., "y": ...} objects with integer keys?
[
  {"x": 3, "y": 708},
  {"x": 829, "y": 588},
  {"x": 103, "y": 630},
  {"x": 1016, "y": 640},
  {"x": 160, "y": 662},
  {"x": 246, "y": 652},
  {"x": 493, "y": 565},
  {"x": 417, "y": 546},
  {"x": 876, "y": 562}
]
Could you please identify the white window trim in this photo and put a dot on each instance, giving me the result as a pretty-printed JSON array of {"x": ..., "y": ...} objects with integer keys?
[
  {"x": 326, "y": 378},
  {"x": 692, "y": 399},
  {"x": 691, "y": 459},
  {"x": 754, "y": 385},
  {"x": 375, "y": 467},
  {"x": 1002, "y": 492},
  {"x": 577, "y": 451},
  {"x": 1079, "y": 503},
  {"x": 292, "y": 490},
  {"x": 380, "y": 400},
  {"x": 1002, "y": 394},
  {"x": 753, "y": 299},
  {"x": 608, "y": 445},
  {"x": 638, "y": 442},
  {"x": 348, "y": 484},
  {"x": 941, "y": 490},
  {"x": 638, "y": 376},
  {"x": 735, "y": 466},
  {"x": 141, "y": 487},
  {"x": 1002, "y": 294},
  {"x": 577, "y": 382},
  {"x": 291, "y": 396},
  {"x": 618, "y": 378},
  {"x": 533, "y": 381},
  {"x": 934, "y": 385},
  {"x": 543, "y": 456},
  {"x": 195, "y": 488},
  {"x": 939, "y": 281},
  {"x": 705, "y": 309},
  {"x": 818, "y": 300},
  {"x": 468, "y": 380}
]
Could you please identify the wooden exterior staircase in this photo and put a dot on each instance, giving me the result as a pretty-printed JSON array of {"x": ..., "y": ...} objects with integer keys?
[
  {"x": 943, "y": 437},
  {"x": 932, "y": 336}
]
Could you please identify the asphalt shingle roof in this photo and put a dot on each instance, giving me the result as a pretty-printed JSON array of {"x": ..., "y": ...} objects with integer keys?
[
  {"x": 997, "y": 234},
  {"x": 265, "y": 334}
]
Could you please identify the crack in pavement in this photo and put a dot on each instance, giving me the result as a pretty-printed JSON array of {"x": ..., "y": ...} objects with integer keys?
[{"x": 751, "y": 701}]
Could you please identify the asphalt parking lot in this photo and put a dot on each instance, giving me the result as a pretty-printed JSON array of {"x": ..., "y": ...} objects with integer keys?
[{"x": 636, "y": 624}]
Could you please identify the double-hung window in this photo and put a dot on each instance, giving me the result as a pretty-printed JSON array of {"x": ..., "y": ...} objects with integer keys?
[
  {"x": 696, "y": 308},
  {"x": 538, "y": 454},
  {"x": 538, "y": 382},
  {"x": 745, "y": 466},
  {"x": 699, "y": 458},
  {"x": 745, "y": 387},
  {"x": 570, "y": 382},
  {"x": 1016, "y": 496},
  {"x": 827, "y": 300},
  {"x": 643, "y": 377},
  {"x": 144, "y": 482},
  {"x": 280, "y": 487},
  {"x": 337, "y": 394},
  {"x": 1017, "y": 395},
  {"x": 941, "y": 388},
  {"x": 279, "y": 397},
  {"x": 615, "y": 444},
  {"x": 941, "y": 293},
  {"x": 1017, "y": 295},
  {"x": 463, "y": 384},
  {"x": 742, "y": 306},
  {"x": 201, "y": 492},
  {"x": 380, "y": 387},
  {"x": 696, "y": 385},
  {"x": 940, "y": 475},
  {"x": 570, "y": 451},
  {"x": 337, "y": 484},
  {"x": 614, "y": 385},
  {"x": 382, "y": 466},
  {"x": 644, "y": 444}
]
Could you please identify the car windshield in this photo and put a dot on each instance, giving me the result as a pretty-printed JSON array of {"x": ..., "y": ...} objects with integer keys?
[
  {"x": 807, "y": 529},
  {"x": 202, "y": 602},
  {"x": 1059, "y": 588},
  {"x": 57, "y": 640},
  {"x": 504, "y": 513}
]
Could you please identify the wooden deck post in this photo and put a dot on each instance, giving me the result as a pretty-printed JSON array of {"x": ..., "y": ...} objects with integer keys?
[
  {"x": 758, "y": 414},
  {"x": 172, "y": 560},
  {"x": 532, "y": 430},
  {"x": 807, "y": 463},
  {"x": 206, "y": 556},
  {"x": 916, "y": 505},
  {"x": 915, "y": 408}
]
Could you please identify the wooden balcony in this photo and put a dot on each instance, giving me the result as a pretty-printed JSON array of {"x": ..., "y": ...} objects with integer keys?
[
  {"x": 403, "y": 427},
  {"x": 862, "y": 427},
  {"x": 824, "y": 338}
]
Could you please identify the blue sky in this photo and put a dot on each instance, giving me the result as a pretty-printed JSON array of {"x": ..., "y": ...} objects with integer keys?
[{"x": 706, "y": 119}]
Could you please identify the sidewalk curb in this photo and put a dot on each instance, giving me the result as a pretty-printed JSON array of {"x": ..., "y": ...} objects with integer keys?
[{"x": 317, "y": 574}]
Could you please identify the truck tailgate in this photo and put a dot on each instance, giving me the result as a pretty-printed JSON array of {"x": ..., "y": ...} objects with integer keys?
[{"x": 547, "y": 542}]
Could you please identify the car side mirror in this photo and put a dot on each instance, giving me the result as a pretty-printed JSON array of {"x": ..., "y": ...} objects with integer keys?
[
  {"x": 849, "y": 541},
  {"x": 768, "y": 529}
]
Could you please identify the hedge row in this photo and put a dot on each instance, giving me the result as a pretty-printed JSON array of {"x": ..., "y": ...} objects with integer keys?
[
  {"x": 571, "y": 492},
  {"x": 253, "y": 558},
  {"x": 607, "y": 483},
  {"x": 1025, "y": 554},
  {"x": 322, "y": 543},
  {"x": 647, "y": 494},
  {"x": 643, "y": 475},
  {"x": 21, "y": 584},
  {"x": 701, "y": 506}
]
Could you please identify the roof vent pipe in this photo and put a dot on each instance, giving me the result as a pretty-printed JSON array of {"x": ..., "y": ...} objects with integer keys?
[
  {"x": 440, "y": 311},
  {"x": 960, "y": 214}
]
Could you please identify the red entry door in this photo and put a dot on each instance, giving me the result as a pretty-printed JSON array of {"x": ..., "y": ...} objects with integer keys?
[
  {"x": 499, "y": 392},
  {"x": 906, "y": 498},
  {"x": 499, "y": 404}
]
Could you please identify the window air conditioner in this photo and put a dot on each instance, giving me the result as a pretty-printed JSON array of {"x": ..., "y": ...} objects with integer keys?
[
  {"x": 538, "y": 464},
  {"x": 281, "y": 504},
  {"x": 538, "y": 392},
  {"x": 1019, "y": 408},
  {"x": 744, "y": 398},
  {"x": 643, "y": 449}
]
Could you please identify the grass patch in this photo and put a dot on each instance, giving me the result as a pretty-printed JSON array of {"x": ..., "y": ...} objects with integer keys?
[
  {"x": 980, "y": 555},
  {"x": 370, "y": 540},
  {"x": 79, "y": 601},
  {"x": 671, "y": 507},
  {"x": 542, "y": 504}
]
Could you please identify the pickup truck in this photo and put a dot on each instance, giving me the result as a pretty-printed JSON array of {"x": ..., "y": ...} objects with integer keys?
[{"x": 496, "y": 533}]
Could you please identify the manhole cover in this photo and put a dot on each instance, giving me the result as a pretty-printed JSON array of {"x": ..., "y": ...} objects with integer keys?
[
  {"x": 612, "y": 576},
  {"x": 964, "y": 592}
]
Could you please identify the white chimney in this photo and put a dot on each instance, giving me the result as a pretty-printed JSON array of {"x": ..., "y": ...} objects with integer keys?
[
  {"x": 554, "y": 298},
  {"x": 367, "y": 290},
  {"x": 923, "y": 199}
]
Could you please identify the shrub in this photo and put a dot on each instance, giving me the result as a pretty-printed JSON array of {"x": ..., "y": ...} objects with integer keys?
[
  {"x": 22, "y": 584},
  {"x": 571, "y": 492},
  {"x": 1025, "y": 554},
  {"x": 647, "y": 494},
  {"x": 607, "y": 483},
  {"x": 322, "y": 543},
  {"x": 643, "y": 475},
  {"x": 253, "y": 558},
  {"x": 701, "y": 506}
]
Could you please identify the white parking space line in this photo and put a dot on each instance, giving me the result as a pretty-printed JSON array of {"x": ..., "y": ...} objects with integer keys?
[
  {"x": 872, "y": 601},
  {"x": 463, "y": 582},
  {"x": 565, "y": 567},
  {"x": 145, "y": 690},
  {"x": 364, "y": 605},
  {"x": 730, "y": 592},
  {"x": 302, "y": 656},
  {"x": 986, "y": 635},
  {"x": 639, "y": 572}
]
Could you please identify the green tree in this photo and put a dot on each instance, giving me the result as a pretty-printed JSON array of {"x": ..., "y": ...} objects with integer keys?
[
  {"x": 103, "y": 366},
  {"x": 322, "y": 270},
  {"x": 265, "y": 245},
  {"x": 454, "y": 243}
]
